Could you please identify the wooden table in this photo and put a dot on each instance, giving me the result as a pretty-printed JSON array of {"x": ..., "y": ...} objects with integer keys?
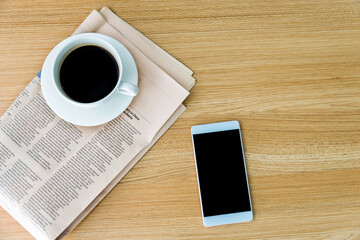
[{"x": 289, "y": 71}]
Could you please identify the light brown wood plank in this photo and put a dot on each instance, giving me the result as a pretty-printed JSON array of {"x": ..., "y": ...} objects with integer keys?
[{"x": 289, "y": 71}]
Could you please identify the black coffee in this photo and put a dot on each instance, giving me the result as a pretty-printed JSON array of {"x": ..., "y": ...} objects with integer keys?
[{"x": 88, "y": 74}]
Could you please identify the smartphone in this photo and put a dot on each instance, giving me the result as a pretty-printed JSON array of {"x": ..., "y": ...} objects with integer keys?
[{"x": 221, "y": 173}]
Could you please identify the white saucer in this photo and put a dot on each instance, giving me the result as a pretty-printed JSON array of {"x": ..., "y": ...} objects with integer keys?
[{"x": 94, "y": 115}]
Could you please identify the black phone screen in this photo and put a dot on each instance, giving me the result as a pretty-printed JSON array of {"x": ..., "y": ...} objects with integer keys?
[{"x": 221, "y": 172}]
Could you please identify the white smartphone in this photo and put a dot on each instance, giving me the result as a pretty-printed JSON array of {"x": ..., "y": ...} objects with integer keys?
[{"x": 221, "y": 173}]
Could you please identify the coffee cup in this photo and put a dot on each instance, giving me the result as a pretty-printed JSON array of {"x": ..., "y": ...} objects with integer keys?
[{"x": 87, "y": 71}]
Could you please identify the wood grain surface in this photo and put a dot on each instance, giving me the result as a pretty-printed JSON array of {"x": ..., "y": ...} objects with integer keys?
[{"x": 289, "y": 71}]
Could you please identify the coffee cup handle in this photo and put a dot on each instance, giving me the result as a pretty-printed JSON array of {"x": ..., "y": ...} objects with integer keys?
[{"x": 128, "y": 89}]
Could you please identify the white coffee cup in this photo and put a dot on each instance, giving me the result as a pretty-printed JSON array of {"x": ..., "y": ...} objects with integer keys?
[{"x": 89, "y": 39}]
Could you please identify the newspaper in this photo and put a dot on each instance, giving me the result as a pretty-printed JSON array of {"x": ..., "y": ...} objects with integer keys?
[{"x": 53, "y": 173}]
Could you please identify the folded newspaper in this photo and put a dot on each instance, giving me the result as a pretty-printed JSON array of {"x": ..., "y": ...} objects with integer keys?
[{"x": 53, "y": 173}]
